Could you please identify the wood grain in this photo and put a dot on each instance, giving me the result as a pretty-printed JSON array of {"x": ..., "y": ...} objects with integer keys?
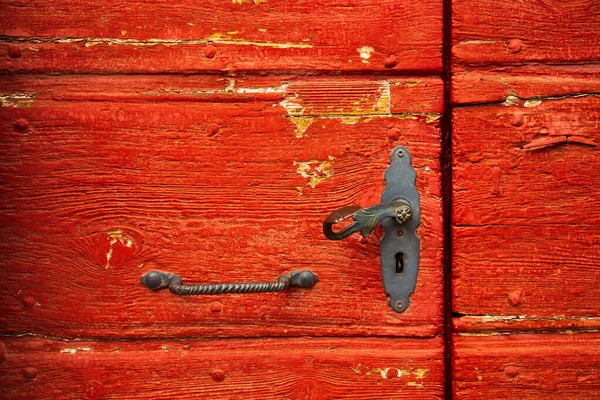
[
  {"x": 225, "y": 369},
  {"x": 548, "y": 366},
  {"x": 516, "y": 32},
  {"x": 525, "y": 218},
  {"x": 274, "y": 35},
  {"x": 499, "y": 84},
  {"x": 98, "y": 190}
]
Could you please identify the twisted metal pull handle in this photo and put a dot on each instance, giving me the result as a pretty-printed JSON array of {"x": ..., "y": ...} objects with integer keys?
[{"x": 157, "y": 280}]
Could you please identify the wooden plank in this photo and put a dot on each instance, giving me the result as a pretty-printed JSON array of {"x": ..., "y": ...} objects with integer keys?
[
  {"x": 98, "y": 190},
  {"x": 234, "y": 369},
  {"x": 517, "y": 32},
  {"x": 353, "y": 35},
  {"x": 548, "y": 366},
  {"x": 346, "y": 95},
  {"x": 494, "y": 324},
  {"x": 491, "y": 85},
  {"x": 525, "y": 218}
]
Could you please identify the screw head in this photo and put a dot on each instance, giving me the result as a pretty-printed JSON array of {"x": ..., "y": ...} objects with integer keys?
[
  {"x": 30, "y": 373},
  {"x": 400, "y": 153},
  {"x": 400, "y": 305},
  {"x": 403, "y": 214},
  {"x": 400, "y": 232}
]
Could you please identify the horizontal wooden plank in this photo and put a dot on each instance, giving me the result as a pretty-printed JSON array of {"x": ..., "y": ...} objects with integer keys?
[
  {"x": 234, "y": 369},
  {"x": 493, "y": 324},
  {"x": 536, "y": 366},
  {"x": 504, "y": 84},
  {"x": 97, "y": 192},
  {"x": 347, "y": 95},
  {"x": 353, "y": 35},
  {"x": 517, "y": 32},
  {"x": 525, "y": 190}
]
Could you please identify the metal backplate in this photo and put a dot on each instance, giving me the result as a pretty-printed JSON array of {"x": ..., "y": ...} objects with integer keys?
[{"x": 400, "y": 245}]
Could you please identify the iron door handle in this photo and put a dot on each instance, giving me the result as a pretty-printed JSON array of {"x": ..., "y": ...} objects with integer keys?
[
  {"x": 399, "y": 215},
  {"x": 157, "y": 280}
]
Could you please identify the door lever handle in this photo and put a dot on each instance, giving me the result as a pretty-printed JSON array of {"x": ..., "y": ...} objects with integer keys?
[
  {"x": 366, "y": 219},
  {"x": 157, "y": 280},
  {"x": 399, "y": 215}
]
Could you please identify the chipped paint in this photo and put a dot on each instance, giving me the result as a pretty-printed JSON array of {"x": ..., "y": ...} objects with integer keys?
[
  {"x": 218, "y": 38},
  {"x": 113, "y": 237},
  {"x": 532, "y": 103},
  {"x": 384, "y": 103},
  {"x": 16, "y": 100},
  {"x": 292, "y": 107},
  {"x": 511, "y": 100},
  {"x": 315, "y": 171},
  {"x": 418, "y": 373},
  {"x": 408, "y": 83},
  {"x": 302, "y": 124},
  {"x": 365, "y": 53},
  {"x": 352, "y": 120},
  {"x": 430, "y": 117},
  {"x": 75, "y": 350}
]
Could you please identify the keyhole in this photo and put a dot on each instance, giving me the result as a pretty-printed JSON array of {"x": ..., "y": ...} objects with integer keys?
[{"x": 399, "y": 263}]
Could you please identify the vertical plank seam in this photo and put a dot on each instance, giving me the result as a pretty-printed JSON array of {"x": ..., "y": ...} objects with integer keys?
[{"x": 446, "y": 161}]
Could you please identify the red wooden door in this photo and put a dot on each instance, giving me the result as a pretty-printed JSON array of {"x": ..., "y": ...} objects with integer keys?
[
  {"x": 526, "y": 243},
  {"x": 211, "y": 140}
]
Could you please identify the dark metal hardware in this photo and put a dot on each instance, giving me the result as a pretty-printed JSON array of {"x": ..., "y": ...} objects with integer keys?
[
  {"x": 399, "y": 215},
  {"x": 157, "y": 280}
]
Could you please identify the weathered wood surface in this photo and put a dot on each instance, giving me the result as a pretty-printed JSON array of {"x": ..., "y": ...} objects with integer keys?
[
  {"x": 226, "y": 182},
  {"x": 517, "y": 32},
  {"x": 258, "y": 35},
  {"x": 495, "y": 85},
  {"x": 526, "y": 237},
  {"x": 225, "y": 369},
  {"x": 533, "y": 366},
  {"x": 519, "y": 323}
]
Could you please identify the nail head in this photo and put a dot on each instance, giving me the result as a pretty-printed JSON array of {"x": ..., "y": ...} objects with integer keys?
[
  {"x": 14, "y": 51},
  {"x": 21, "y": 125},
  {"x": 217, "y": 375},
  {"x": 390, "y": 61},
  {"x": 210, "y": 51}
]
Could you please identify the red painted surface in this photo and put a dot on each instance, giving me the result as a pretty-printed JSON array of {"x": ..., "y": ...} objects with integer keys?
[
  {"x": 518, "y": 32},
  {"x": 525, "y": 179},
  {"x": 108, "y": 184},
  {"x": 525, "y": 221},
  {"x": 532, "y": 366},
  {"x": 211, "y": 140},
  {"x": 287, "y": 368},
  {"x": 241, "y": 35}
]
